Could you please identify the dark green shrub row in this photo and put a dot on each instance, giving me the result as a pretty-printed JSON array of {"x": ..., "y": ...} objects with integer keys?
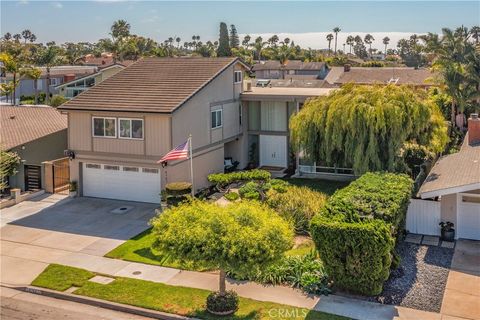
[
  {"x": 357, "y": 256},
  {"x": 382, "y": 196},
  {"x": 355, "y": 231},
  {"x": 228, "y": 178}
]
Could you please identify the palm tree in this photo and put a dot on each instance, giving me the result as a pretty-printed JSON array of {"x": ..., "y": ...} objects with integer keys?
[
  {"x": 386, "y": 41},
  {"x": 475, "y": 32},
  {"x": 17, "y": 37},
  {"x": 10, "y": 65},
  {"x": 329, "y": 39},
  {"x": 178, "y": 39},
  {"x": 350, "y": 41},
  {"x": 33, "y": 38},
  {"x": 273, "y": 40},
  {"x": 34, "y": 74},
  {"x": 368, "y": 40},
  {"x": 26, "y": 34},
  {"x": 246, "y": 41},
  {"x": 49, "y": 57},
  {"x": 120, "y": 29},
  {"x": 258, "y": 45},
  {"x": 336, "y": 30},
  {"x": 7, "y": 36}
]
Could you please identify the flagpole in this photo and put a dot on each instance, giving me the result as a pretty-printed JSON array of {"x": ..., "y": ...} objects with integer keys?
[{"x": 191, "y": 163}]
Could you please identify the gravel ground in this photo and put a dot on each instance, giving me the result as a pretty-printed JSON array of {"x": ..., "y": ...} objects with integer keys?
[{"x": 420, "y": 281}]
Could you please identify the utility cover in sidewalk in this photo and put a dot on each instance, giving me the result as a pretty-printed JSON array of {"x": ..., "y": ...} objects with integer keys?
[
  {"x": 101, "y": 279},
  {"x": 121, "y": 210}
]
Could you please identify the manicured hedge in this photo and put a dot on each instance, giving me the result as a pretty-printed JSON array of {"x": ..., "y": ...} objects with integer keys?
[
  {"x": 227, "y": 178},
  {"x": 355, "y": 231},
  {"x": 357, "y": 256}
]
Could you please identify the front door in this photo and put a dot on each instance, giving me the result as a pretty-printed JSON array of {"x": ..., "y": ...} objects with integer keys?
[
  {"x": 273, "y": 151},
  {"x": 33, "y": 179}
]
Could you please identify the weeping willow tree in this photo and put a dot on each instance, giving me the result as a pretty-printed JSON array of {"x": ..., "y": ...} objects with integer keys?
[{"x": 365, "y": 127}]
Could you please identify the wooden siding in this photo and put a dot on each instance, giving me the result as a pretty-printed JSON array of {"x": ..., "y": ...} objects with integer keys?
[{"x": 157, "y": 135}]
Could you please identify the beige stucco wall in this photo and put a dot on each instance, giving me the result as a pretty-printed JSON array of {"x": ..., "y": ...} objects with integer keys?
[{"x": 448, "y": 209}]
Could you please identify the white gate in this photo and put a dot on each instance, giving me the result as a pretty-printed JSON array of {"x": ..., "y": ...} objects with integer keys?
[{"x": 423, "y": 217}]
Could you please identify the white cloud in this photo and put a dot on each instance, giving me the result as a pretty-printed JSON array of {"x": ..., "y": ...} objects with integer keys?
[
  {"x": 57, "y": 5},
  {"x": 317, "y": 40},
  {"x": 23, "y": 2}
]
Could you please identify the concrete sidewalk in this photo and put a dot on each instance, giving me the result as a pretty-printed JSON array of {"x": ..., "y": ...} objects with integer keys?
[{"x": 22, "y": 264}]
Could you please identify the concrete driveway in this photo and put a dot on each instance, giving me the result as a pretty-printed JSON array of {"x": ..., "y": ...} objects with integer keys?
[
  {"x": 462, "y": 293},
  {"x": 60, "y": 230}
]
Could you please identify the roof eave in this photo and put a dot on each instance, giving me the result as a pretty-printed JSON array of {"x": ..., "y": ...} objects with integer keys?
[{"x": 450, "y": 190}]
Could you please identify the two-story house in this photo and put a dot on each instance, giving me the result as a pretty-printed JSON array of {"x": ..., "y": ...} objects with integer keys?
[{"x": 120, "y": 128}]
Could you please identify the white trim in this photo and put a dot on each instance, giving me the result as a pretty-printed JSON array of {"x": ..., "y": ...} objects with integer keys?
[
  {"x": 104, "y": 136},
  {"x": 458, "y": 189},
  {"x": 221, "y": 118},
  {"x": 131, "y": 132},
  {"x": 241, "y": 76}
]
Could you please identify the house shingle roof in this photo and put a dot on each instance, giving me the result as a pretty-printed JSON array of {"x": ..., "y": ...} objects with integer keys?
[
  {"x": 452, "y": 171},
  {"x": 151, "y": 85},
  {"x": 20, "y": 125},
  {"x": 381, "y": 75}
]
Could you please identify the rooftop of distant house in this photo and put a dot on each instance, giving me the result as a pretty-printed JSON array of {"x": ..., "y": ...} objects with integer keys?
[
  {"x": 104, "y": 61},
  {"x": 23, "y": 124},
  {"x": 385, "y": 75},
  {"x": 289, "y": 65}
]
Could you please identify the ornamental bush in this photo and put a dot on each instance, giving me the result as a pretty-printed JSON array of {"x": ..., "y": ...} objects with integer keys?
[
  {"x": 231, "y": 196},
  {"x": 297, "y": 205},
  {"x": 224, "y": 179},
  {"x": 355, "y": 232}
]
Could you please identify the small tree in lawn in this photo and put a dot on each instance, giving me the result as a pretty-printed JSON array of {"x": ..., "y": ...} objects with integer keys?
[
  {"x": 8, "y": 166},
  {"x": 243, "y": 237}
]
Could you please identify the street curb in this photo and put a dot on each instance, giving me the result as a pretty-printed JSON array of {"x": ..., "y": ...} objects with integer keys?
[{"x": 99, "y": 303}]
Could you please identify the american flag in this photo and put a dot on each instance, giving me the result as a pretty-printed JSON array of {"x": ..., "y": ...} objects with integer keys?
[{"x": 180, "y": 152}]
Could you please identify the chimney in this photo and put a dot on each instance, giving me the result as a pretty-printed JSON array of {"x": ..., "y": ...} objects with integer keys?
[
  {"x": 473, "y": 129},
  {"x": 346, "y": 67},
  {"x": 68, "y": 77}
]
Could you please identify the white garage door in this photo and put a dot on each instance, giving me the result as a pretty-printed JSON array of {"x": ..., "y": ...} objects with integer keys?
[
  {"x": 121, "y": 182},
  {"x": 468, "y": 221}
]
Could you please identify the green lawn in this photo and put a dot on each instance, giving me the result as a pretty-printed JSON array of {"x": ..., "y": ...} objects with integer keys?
[
  {"x": 178, "y": 300},
  {"x": 325, "y": 186},
  {"x": 139, "y": 249}
]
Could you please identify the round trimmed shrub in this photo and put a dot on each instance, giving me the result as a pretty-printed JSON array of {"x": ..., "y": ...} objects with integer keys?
[
  {"x": 231, "y": 196},
  {"x": 297, "y": 205},
  {"x": 178, "y": 188},
  {"x": 222, "y": 304}
]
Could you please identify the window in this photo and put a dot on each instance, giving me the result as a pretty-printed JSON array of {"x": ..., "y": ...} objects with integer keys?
[
  {"x": 130, "y": 128},
  {"x": 149, "y": 170},
  {"x": 93, "y": 166},
  {"x": 237, "y": 76},
  {"x": 216, "y": 119},
  {"x": 54, "y": 81},
  {"x": 130, "y": 169},
  {"x": 104, "y": 127},
  {"x": 39, "y": 84},
  {"x": 108, "y": 167}
]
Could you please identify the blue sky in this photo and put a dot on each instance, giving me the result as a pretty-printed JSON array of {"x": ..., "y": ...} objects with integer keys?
[{"x": 305, "y": 22}]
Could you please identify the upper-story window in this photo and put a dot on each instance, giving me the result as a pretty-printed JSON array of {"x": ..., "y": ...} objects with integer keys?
[
  {"x": 104, "y": 127},
  {"x": 54, "y": 81},
  {"x": 130, "y": 128},
  {"x": 216, "y": 119},
  {"x": 237, "y": 77}
]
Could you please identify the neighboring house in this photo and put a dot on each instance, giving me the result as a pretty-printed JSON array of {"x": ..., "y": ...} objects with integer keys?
[
  {"x": 293, "y": 69},
  {"x": 268, "y": 112},
  {"x": 339, "y": 76},
  {"x": 455, "y": 180},
  {"x": 58, "y": 75},
  {"x": 36, "y": 134},
  {"x": 75, "y": 87},
  {"x": 120, "y": 128}
]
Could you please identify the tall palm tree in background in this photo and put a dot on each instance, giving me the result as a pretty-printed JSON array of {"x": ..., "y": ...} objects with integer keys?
[
  {"x": 386, "y": 41},
  {"x": 336, "y": 30},
  {"x": 258, "y": 46},
  {"x": 475, "y": 31},
  {"x": 17, "y": 37},
  {"x": 350, "y": 41},
  {"x": 7, "y": 36},
  {"x": 369, "y": 40},
  {"x": 26, "y": 34},
  {"x": 34, "y": 74},
  {"x": 120, "y": 29},
  {"x": 177, "y": 40},
  {"x": 329, "y": 39}
]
